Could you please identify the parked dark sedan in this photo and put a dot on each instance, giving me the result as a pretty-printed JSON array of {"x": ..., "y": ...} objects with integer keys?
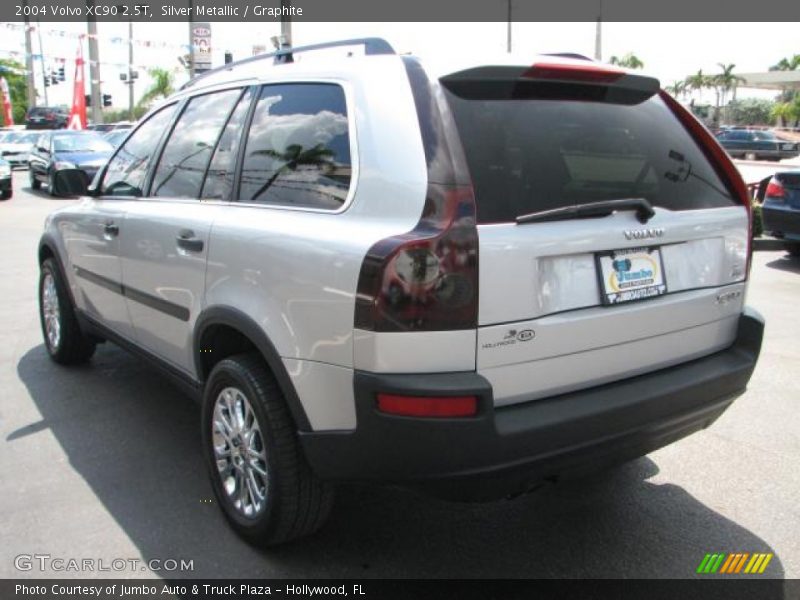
[
  {"x": 60, "y": 150},
  {"x": 781, "y": 209},
  {"x": 46, "y": 117},
  {"x": 754, "y": 145}
]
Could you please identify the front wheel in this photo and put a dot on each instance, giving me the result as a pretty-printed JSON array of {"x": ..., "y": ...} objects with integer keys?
[
  {"x": 65, "y": 342},
  {"x": 793, "y": 249},
  {"x": 750, "y": 156},
  {"x": 35, "y": 183},
  {"x": 258, "y": 471}
]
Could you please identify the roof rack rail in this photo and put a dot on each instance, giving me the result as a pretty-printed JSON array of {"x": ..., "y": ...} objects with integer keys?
[{"x": 372, "y": 46}]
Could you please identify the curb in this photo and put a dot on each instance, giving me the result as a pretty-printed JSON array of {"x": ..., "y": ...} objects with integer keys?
[{"x": 767, "y": 243}]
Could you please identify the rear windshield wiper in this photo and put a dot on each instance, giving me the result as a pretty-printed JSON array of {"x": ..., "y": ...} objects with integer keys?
[{"x": 644, "y": 211}]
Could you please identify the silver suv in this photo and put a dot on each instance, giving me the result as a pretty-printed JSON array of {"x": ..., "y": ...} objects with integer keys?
[{"x": 468, "y": 278}]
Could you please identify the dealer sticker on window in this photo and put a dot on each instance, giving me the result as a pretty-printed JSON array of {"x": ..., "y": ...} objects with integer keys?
[{"x": 630, "y": 274}]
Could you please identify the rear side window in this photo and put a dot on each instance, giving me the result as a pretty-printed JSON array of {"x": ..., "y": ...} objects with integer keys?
[
  {"x": 298, "y": 147},
  {"x": 183, "y": 162},
  {"x": 219, "y": 180},
  {"x": 127, "y": 169},
  {"x": 530, "y": 155}
]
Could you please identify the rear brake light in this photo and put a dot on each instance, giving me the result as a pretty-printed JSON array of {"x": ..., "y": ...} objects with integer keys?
[
  {"x": 719, "y": 159},
  {"x": 426, "y": 279},
  {"x": 427, "y": 406},
  {"x": 588, "y": 73},
  {"x": 775, "y": 189}
]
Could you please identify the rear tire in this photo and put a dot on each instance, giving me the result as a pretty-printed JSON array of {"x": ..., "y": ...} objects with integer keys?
[
  {"x": 750, "y": 156},
  {"x": 6, "y": 194},
  {"x": 259, "y": 474},
  {"x": 65, "y": 342}
]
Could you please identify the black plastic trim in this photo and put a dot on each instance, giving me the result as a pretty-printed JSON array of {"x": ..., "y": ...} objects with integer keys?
[
  {"x": 168, "y": 308},
  {"x": 236, "y": 319},
  {"x": 533, "y": 440}
]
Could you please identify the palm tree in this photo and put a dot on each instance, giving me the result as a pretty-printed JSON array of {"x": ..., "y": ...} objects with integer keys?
[
  {"x": 787, "y": 64},
  {"x": 629, "y": 61},
  {"x": 677, "y": 89},
  {"x": 697, "y": 82},
  {"x": 783, "y": 112},
  {"x": 724, "y": 83},
  {"x": 162, "y": 86}
]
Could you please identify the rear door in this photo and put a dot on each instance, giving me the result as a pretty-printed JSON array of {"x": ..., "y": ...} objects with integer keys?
[
  {"x": 165, "y": 247},
  {"x": 571, "y": 302}
]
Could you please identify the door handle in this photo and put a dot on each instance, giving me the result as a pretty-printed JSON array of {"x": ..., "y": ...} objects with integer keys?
[
  {"x": 187, "y": 241},
  {"x": 111, "y": 229}
]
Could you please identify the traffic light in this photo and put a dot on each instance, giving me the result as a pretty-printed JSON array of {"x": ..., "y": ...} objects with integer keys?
[
  {"x": 61, "y": 76},
  {"x": 228, "y": 58},
  {"x": 88, "y": 98},
  {"x": 106, "y": 99},
  {"x": 53, "y": 79}
]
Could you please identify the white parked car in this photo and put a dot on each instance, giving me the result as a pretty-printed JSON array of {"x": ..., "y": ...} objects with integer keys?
[
  {"x": 16, "y": 147},
  {"x": 467, "y": 277}
]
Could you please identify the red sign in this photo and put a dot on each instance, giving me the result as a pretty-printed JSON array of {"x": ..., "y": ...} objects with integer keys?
[
  {"x": 8, "y": 115},
  {"x": 77, "y": 116}
]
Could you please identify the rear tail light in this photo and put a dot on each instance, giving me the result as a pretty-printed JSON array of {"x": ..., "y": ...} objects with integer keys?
[
  {"x": 775, "y": 189},
  {"x": 719, "y": 159},
  {"x": 428, "y": 406},
  {"x": 426, "y": 279}
]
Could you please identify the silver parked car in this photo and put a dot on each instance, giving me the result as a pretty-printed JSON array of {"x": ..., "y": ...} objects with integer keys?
[{"x": 467, "y": 277}]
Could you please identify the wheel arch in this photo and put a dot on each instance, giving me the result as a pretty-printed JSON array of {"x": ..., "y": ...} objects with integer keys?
[{"x": 217, "y": 318}]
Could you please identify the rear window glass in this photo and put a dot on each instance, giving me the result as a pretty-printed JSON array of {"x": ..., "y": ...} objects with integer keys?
[{"x": 530, "y": 155}]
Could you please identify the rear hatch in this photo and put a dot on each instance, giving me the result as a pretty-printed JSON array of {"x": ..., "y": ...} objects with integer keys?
[
  {"x": 791, "y": 188},
  {"x": 641, "y": 261}
]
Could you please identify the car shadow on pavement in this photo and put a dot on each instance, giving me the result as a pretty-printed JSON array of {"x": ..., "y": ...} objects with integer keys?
[
  {"x": 135, "y": 441},
  {"x": 787, "y": 263}
]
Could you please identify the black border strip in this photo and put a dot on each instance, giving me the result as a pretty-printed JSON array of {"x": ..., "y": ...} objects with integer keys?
[{"x": 169, "y": 308}]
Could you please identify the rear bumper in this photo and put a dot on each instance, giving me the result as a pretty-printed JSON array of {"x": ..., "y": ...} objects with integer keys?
[
  {"x": 511, "y": 447},
  {"x": 782, "y": 220}
]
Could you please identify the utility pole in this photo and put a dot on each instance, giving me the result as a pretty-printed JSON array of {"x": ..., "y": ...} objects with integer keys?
[
  {"x": 286, "y": 23},
  {"x": 508, "y": 32},
  {"x": 191, "y": 40},
  {"x": 131, "y": 78},
  {"x": 94, "y": 68},
  {"x": 31, "y": 82},
  {"x": 598, "y": 35},
  {"x": 45, "y": 83}
]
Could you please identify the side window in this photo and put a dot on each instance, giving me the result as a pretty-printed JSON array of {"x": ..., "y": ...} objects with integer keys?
[
  {"x": 219, "y": 180},
  {"x": 298, "y": 147},
  {"x": 127, "y": 169},
  {"x": 186, "y": 155}
]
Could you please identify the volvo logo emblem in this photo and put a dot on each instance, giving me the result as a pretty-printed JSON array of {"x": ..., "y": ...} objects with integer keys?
[{"x": 644, "y": 234}]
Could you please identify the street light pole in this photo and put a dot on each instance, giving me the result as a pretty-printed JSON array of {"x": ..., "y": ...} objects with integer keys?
[
  {"x": 130, "y": 70},
  {"x": 31, "y": 82},
  {"x": 41, "y": 56},
  {"x": 598, "y": 35},
  {"x": 508, "y": 32},
  {"x": 94, "y": 68}
]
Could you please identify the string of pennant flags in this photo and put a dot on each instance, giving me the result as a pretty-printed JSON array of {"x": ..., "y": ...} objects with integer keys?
[
  {"x": 111, "y": 39},
  {"x": 60, "y": 61}
]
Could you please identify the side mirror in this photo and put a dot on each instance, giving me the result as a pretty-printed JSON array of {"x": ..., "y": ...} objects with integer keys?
[
  {"x": 70, "y": 182},
  {"x": 42, "y": 149}
]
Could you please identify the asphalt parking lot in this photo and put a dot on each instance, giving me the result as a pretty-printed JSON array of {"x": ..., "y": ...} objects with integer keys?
[{"x": 104, "y": 462}]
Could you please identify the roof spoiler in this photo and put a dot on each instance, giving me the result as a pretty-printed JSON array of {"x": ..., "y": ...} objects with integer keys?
[{"x": 583, "y": 80}]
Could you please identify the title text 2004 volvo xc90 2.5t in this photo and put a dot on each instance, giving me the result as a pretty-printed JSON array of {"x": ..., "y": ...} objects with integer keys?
[{"x": 467, "y": 277}]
